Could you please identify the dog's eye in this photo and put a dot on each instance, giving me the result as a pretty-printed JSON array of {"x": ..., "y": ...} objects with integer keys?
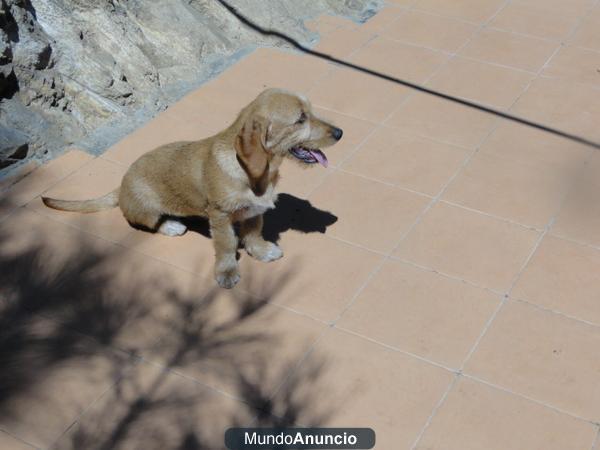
[{"x": 302, "y": 118}]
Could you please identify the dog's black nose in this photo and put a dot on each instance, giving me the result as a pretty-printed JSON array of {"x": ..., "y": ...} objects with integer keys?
[{"x": 337, "y": 133}]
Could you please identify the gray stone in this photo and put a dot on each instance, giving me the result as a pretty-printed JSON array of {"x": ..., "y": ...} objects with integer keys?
[{"x": 87, "y": 72}]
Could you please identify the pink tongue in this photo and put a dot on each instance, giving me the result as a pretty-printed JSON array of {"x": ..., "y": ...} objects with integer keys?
[{"x": 320, "y": 156}]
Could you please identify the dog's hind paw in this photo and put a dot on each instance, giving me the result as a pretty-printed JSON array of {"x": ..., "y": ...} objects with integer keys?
[{"x": 172, "y": 228}]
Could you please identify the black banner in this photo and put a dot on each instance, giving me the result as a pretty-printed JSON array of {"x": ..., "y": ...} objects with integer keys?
[{"x": 299, "y": 438}]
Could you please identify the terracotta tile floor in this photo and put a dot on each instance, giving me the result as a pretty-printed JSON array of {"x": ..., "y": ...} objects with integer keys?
[{"x": 441, "y": 279}]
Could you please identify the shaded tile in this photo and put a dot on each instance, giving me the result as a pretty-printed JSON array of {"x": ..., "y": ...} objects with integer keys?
[
  {"x": 130, "y": 309},
  {"x": 421, "y": 312},
  {"x": 192, "y": 252},
  {"x": 571, "y": 107},
  {"x": 44, "y": 247},
  {"x": 475, "y": 416},
  {"x": 535, "y": 20},
  {"x": 509, "y": 49},
  {"x": 360, "y": 396},
  {"x": 153, "y": 408},
  {"x": 439, "y": 119},
  {"x": 563, "y": 276},
  {"x": 505, "y": 188},
  {"x": 408, "y": 62},
  {"x": 390, "y": 211},
  {"x": 41, "y": 179},
  {"x": 481, "y": 82},
  {"x": 95, "y": 179},
  {"x": 226, "y": 341},
  {"x": 103, "y": 290},
  {"x": 15, "y": 174},
  {"x": 346, "y": 91},
  {"x": 428, "y": 30},
  {"x": 7, "y": 442},
  {"x": 393, "y": 156},
  {"x": 313, "y": 271},
  {"x": 544, "y": 356},
  {"x": 51, "y": 377},
  {"x": 575, "y": 65},
  {"x": 481, "y": 249},
  {"x": 477, "y": 11}
]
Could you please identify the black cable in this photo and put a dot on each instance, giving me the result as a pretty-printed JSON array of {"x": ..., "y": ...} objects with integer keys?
[{"x": 417, "y": 87}]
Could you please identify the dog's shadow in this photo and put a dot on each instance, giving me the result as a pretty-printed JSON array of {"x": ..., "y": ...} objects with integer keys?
[{"x": 290, "y": 213}]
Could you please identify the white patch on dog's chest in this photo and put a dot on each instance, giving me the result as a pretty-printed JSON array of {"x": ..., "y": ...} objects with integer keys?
[
  {"x": 248, "y": 212},
  {"x": 254, "y": 206}
]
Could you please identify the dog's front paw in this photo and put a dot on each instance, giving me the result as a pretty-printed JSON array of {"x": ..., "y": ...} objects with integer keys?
[
  {"x": 264, "y": 251},
  {"x": 227, "y": 278}
]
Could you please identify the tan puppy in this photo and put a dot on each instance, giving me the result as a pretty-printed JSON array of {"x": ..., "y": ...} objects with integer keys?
[{"x": 229, "y": 177}]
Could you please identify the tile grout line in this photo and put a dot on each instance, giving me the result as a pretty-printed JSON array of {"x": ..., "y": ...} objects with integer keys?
[
  {"x": 503, "y": 301},
  {"x": 388, "y": 254},
  {"x": 451, "y": 277},
  {"x": 14, "y": 436},
  {"x": 170, "y": 264},
  {"x": 440, "y": 193},
  {"x": 596, "y": 443},
  {"x": 552, "y": 219},
  {"x": 554, "y": 311},
  {"x": 525, "y": 397},
  {"x": 394, "y": 348},
  {"x": 321, "y": 182},
  {"x": 487, "y": 326},
  {"x": 47, "y": 188},
  {"x": 414, "y": 224},
  {"x": 517, "y": 276},
  {"x": 426, "y": 209},
  {"x": 446, "y": 275},
  {"x": 436, "y": 408},
  {"x": 401, "y": 103},
  {"x": 300, "y": 362},
  {"x": 575, "y": 241},
  {"x": 561, "y": 44},
  {"x": 458, "y": 373},
  {"x": 135, "y": 360},
  {"x": 385, "y": 183},
  {"x": 538, "y": 242},
  {"x": 492, "y": 216}
]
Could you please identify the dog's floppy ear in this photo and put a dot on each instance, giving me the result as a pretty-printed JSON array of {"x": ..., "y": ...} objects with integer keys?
[{"x": 252, "y": 156}]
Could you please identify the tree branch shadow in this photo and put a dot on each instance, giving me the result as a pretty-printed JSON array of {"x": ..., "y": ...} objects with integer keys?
[{"x": 66, "y": 312}]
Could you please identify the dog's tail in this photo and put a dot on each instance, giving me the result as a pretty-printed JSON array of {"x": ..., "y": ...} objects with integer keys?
[{"x": 107, "y": 201}]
